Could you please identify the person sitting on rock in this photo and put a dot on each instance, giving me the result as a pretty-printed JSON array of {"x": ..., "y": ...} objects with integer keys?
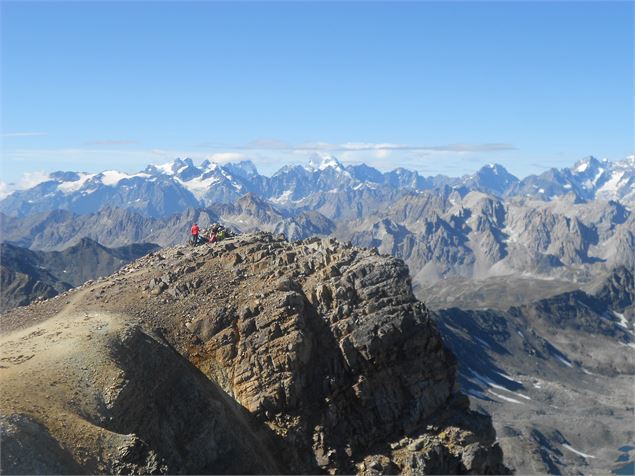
[{"x": 195, "y": 230}]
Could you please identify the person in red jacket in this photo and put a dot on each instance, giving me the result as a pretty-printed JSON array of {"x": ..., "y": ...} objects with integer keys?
[{"x": 195, "y": 230}]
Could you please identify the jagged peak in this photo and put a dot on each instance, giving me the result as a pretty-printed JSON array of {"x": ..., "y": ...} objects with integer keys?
[
  {"x": 173, "y": 168},
  {"x": 322, "y": 161},
  {"x": 64, "y": 176},
  {"x": 496, "y": 168},
  {"x": 251, "y": 198},
  {"x": 627, "y": 163},
  {"x": 86, "y": 242},
  {"x": 244, "y": 168},
  {"x": 585, "y": 164}
]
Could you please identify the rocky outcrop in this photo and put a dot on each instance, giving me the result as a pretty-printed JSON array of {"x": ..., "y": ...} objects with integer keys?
[
  {"x": 617, "y": 289},
  {"x": 345, "y": 336},
  {"x": 323, "y": 347}
]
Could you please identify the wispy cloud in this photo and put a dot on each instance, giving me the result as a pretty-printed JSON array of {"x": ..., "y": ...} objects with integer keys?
[
  {"x": 433, "y": 159},
  {"x": 224, "y": 157},
  {"x": 23, "y": 134},
  {"x": 28, "y": 180},
  {"x": 111, "y": 142},
  {"x": 268, "y": 155},
  {"x": 273, "y": 144}
]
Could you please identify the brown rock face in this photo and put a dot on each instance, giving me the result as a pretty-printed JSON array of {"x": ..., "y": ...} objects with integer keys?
[
  {"x": 325, "y": 345},
  {"x": 335, "y": 352}
]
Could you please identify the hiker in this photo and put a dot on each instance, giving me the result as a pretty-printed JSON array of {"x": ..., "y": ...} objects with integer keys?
[
  {"x": 195, "y": 230},
  {"x": 213, "y": 238}
]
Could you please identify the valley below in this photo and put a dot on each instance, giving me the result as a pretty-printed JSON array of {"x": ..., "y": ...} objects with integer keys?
[{"x": 559, "y": 385}]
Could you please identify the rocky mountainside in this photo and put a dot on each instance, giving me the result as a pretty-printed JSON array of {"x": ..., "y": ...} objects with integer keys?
[
  {"x": 440, "y": 234},
  {"x": 479, "y": 226},
  {"x": 444, "y": 235},
  {"x": 254, "y": 355},
  {"x": 588, "y": 179},
  {"x": 23, "y": 279},
  {"x": 56, "y": 230},
  {"x": 28, "y": 275},
  {"x": 555, "y": 373},
  {"x": 324, "y": 185}
]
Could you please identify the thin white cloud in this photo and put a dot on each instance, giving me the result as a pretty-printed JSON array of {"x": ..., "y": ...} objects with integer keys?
[
  {"x": 72, "y": 156},
  {"x": 224, "y": 157},
  {"x": 267, "y": 144},
  {"x": 28, "y": 180},
  {"x": 111, "y": 142},
  {"x": 31, "y": 179},
  {"x": 23, "y": 134},
  {"x": 272, "y": 144},
  {"x": 5, "y": 189},
  {"x": 267, "y": 154},
  {"x": 453, "y": 160}
]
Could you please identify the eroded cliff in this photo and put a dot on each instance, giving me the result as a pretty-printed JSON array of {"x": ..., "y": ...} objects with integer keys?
[{"x": 255, "y": 355}]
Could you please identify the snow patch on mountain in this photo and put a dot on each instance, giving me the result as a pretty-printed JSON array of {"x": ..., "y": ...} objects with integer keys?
[
  {"x": 285, "y": 197},
  {"x": 564, "y": 361},
  {"x": 323, "y": 162},
  {"x": 164, "y": 168},
  {"x": 199, "y": 186},
  {"x": 507, "y": 399},
  {"x": 75, "y": 185},
  {"x": 582, "y": 167},
  {"x": 612, "y": 184},
  {"x": 580, "y": 453},
  {"x": 187, "y": 183},
  {"x": 113, "y": 177}
]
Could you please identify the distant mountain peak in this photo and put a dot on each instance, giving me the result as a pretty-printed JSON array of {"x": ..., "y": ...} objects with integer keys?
[
  {"x": 64, "y": 176},
  {"x": 585, "y": 164},
  {"x": 628, "y": 161},
  {"x": 245, "y": 169},
  {"x": 321, "y": 161},
  {"x": 177, "y": 185},
  {"x": 493, "y": 178},
  {"x": 496, "y": 169}
]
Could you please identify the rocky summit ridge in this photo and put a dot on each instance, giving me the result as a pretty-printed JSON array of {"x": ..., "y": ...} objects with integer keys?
[{"x": 255, "y": 355}]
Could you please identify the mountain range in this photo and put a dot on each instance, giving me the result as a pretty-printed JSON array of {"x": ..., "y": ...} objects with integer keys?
[
  {"x": 161, "y": 190},
  {"x": 529, "y": 281},
  {"x": 440, "y": 233}
]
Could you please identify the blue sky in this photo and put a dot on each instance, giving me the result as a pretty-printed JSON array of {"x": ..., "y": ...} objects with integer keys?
[{"x": 437, "y": 87}]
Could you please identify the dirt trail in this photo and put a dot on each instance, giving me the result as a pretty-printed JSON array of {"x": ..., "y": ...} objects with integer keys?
[{"x": 64, "y": 304}]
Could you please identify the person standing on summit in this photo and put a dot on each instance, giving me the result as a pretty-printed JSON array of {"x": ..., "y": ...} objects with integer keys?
[{"x": 195, "y": 230}]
